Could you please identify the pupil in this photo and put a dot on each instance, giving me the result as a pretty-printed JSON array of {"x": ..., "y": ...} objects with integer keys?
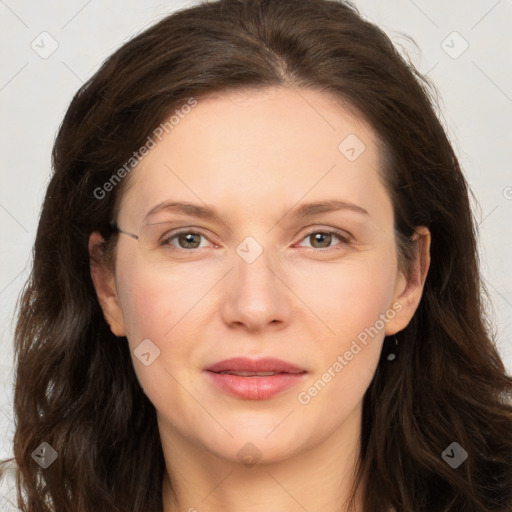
[
  {"x": 188, "y": 239},
  {"x": 321, "y": 236}
]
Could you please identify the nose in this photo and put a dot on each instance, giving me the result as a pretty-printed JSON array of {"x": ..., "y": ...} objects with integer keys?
[{"x": 256, "y": 291}]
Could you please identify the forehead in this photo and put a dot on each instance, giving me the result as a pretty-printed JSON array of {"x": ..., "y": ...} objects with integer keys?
[{"x": 254, "y": 148}]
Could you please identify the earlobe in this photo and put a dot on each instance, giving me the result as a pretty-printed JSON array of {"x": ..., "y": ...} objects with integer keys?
[
  {"x": 105, "y": 286},
  {"x": 409, "y": 289}
]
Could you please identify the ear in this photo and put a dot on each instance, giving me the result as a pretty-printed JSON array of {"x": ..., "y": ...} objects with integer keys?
[
  {"x": 409, "y": 289},
  {"x": 105, "y": 286}
]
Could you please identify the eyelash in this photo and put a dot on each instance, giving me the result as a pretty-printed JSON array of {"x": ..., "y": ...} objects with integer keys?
[{"x": 339, "y": 234}]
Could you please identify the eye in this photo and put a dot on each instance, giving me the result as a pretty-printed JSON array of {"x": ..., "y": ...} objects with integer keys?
[
  {"x": 320, "y": 239},
  {"x": 185, "y": 239},
  {"x": 323, "y": 238}
]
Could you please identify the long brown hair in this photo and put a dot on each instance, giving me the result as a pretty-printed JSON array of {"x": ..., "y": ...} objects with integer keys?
[{"x": 76, "y": 388}]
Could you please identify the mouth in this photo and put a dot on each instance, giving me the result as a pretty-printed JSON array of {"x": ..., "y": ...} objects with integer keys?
[
  {"x": 254, "y": 379},
  {"x": 252, "y": 374},
  {"x": 250, "y": 367}
]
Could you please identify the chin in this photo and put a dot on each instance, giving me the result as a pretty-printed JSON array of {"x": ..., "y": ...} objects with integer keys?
[{"x": 254, "y": 446}]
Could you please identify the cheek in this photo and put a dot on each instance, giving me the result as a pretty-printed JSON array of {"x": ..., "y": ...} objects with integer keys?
[
  {"x": 350, "y": 295},
  {"x": 162, "y": 308},
  {"x": 149, "y": 314},
  {"x": 158, "y": 304},
  {"x": 354, "y": 302}
]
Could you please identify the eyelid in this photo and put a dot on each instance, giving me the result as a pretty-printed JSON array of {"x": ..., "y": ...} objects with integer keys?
[
  {"x": 191, "y": 229},
  {"x": 326, "y": 229},
  {"x": 343, "y": 236}
]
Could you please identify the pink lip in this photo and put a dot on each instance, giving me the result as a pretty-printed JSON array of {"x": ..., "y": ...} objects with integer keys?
[
  {"x": 254, "y": 387},
  {"x": 243, "y": 364}
]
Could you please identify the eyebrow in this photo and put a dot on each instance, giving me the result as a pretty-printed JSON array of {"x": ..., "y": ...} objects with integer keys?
[{"x": 209, "y": 213}]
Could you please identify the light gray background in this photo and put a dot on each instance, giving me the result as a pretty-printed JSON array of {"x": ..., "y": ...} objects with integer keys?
[{"x": 475, "y": 100}]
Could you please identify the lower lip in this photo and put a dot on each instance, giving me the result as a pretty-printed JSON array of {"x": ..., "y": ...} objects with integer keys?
[{"x": 255, "y": 388}]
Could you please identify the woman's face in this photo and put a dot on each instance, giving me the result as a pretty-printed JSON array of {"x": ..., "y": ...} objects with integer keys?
[{"x": 314, "y": 287}]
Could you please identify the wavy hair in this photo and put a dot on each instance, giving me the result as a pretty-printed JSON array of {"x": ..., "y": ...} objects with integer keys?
[{"x": 75, "y": 385}]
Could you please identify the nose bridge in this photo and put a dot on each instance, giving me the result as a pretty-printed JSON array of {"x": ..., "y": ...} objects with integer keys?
[
  {"x": 257, "y": 294},
  {"x": 255, "y": 265}
]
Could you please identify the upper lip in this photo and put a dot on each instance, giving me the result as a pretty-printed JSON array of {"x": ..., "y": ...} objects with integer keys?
[{"x": 243, "y": 364}]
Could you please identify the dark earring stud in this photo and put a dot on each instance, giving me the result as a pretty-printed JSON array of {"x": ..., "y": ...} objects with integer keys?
[{"x": 393, "y": 351}]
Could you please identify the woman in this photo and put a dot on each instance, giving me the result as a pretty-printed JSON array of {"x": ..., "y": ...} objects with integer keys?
[{"x": 256, "y": 284}]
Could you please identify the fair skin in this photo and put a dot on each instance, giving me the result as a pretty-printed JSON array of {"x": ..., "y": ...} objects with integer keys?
[{"x": 254, "y": 157}]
